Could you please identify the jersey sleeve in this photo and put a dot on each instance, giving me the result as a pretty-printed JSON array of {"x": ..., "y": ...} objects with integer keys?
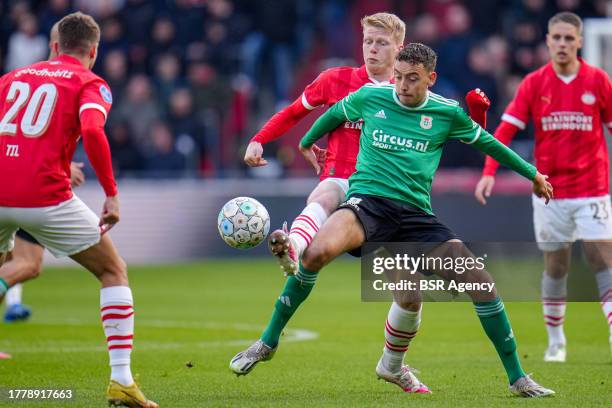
[
  {"x": 488, "y": 144},
  {"x": 463, "y": 128},
  {"x": 281, "y": 122},
  {"x": 606, "y": 97},
  {"x": 352, "y": 104},
  {"x": 96, "y": 94},
  {"x": 519, "y": 110},
  {"x": 316, "y": 93},
  {"x": 348, "y": 108}
]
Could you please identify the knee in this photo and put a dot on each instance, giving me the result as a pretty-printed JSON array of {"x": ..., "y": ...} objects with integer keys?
[
  {"x": 29, "y": 269},
  {"x": 315, "y": 257},
  {"x": 557, "y": 270},
  {"x": 116, "y": 271},
  {"x": 411, "y": 305},
  {"x": 34, "y": 269}
]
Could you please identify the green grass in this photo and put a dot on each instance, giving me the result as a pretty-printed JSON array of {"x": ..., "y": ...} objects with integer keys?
[{"x": 204, "y": 313}]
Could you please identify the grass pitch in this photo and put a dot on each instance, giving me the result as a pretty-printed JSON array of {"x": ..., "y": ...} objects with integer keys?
[{"x": 192, "y": 318}]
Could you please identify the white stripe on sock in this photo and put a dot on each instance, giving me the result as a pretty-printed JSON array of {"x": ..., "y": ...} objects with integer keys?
[{"x": 306, "y": 225}]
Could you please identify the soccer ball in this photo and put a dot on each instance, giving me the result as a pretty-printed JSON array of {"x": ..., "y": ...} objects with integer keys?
[{"x": 243, "y": 222}]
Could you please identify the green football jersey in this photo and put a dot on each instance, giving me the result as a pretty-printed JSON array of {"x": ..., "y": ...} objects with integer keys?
[{"x": 400, "y": 146}]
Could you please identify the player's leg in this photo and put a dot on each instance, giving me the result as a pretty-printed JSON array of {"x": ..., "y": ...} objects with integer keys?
[
  {"x": 117, "y": 311},
  {"x": 71, "y": 229},
  {"x": 554, "y": 229},
  {"x": 7, "y": 241},
  {"x": 342, "y": 232},
  {"x": 401, "y": 326},
  {"x": 23, "y": 263},
  {"x": 554, "y": 293},
  {"x": 593, "y": 219},
  {"x": 599, "y": 256},
  {"x": 494, "y": 320},
  {"x": 288, "y": 246}
]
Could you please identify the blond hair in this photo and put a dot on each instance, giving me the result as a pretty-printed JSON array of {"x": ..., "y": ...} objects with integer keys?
[
  {"x": 389, "y": 22},
  {"x": 566, "y": 17}
]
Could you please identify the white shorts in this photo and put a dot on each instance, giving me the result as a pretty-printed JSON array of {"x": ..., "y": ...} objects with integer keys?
[
  {"x": 563, "y": 221},
  {"x": 64, "y": 229},
  {"x": 342, "y": 182}
]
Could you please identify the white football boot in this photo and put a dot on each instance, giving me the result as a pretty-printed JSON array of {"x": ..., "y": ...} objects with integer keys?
[
  {"x": 405, "y": 379},
  {"x": 526, "y": 387},
  {"x": 555, "y": 353},
  {"x": 245, "y": 361}
]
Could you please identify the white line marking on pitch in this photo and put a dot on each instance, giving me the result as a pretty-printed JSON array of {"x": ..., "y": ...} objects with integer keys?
[{"x": 290, "y": 336}]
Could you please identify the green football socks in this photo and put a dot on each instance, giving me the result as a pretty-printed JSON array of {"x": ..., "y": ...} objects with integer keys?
[
  {"x": 3, "y": 287},
  {"x": 495, "y": 323},
  {"x": 296, "y": 290}
]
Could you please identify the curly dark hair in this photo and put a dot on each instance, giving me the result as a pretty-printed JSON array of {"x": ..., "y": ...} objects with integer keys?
[{"x": 417, "y": 53}]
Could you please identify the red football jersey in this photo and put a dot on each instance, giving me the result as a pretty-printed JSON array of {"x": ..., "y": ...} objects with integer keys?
[
  {"x": 570, "y": 145},
  {"x": 343, "y": 142},
  {"x": 40, "y": 127}
]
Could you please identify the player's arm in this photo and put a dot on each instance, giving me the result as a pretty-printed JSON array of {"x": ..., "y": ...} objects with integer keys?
[
  {"x": 274, "y": 128},
  {"x": 467, "y": 131},
  {"x": 606, "y": 101},
  {"x": 505, "y": 132},
  {"x": 314, "y": 95},
  {"x": 346, "y": 109},
  {"x": 98, "y": 151},
  {"x": 95, "y": 103},
  {"x": 503, "y": 154},
  {"x": 515, "y": 118}
]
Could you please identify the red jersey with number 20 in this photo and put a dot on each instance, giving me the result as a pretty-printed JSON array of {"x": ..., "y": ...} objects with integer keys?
[
  {"x": 569, "y": 116},
  {"x": 40, "y": 126}
]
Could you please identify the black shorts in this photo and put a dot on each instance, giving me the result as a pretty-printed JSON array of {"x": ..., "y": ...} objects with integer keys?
[
  {"x": 27, "y": 237},
  {"x": 386, "y": 220}
]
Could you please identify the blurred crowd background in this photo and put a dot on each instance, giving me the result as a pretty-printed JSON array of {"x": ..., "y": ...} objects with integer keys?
[{"x": 193, "y": 80}]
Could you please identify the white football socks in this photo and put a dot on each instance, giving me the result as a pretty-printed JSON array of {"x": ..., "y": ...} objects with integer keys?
[
  {"x": 554, "y": 292},
  {"x": 13, "y": 295},
  {"x": 604, "y": 284},
  {"x": 117, "y": 309},
  {"x": 400, "y": 328},
  {"x": 306, "y": 225}
]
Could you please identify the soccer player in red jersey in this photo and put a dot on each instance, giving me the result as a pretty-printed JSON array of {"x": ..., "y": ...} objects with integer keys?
[
  {"x": 570, "y": 102},
  {"x": 383, "y": 37},
  {"x": 27, "y": 255},
  {"x": 46, "y": 107}
]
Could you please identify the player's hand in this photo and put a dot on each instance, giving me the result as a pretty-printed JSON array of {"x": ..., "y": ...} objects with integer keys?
[
  {"x": 320, "y": 153},
  {"x": 77, "y": 177},
  {"x": 311, "y": 157},
  {"x": 484, "y": 188},
  {"x": 110, "y": 214},
  {"x": 542, "y": 188},
  {"x": 477, "y": 101},
  {"x": 253, "y": 156}
]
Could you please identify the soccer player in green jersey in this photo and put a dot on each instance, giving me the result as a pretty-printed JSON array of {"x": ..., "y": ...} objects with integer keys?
[{"x": 405, "y": 128}]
